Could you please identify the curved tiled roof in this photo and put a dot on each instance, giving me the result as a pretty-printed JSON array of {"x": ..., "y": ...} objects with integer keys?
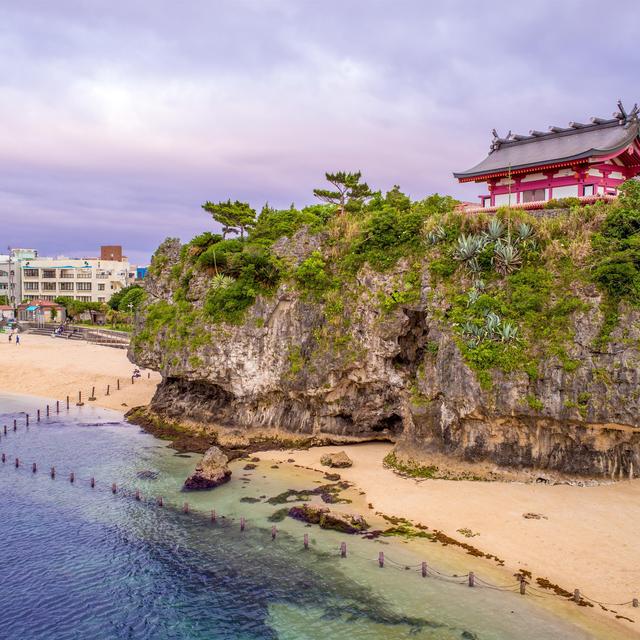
[{"x": 576, "y": 142}]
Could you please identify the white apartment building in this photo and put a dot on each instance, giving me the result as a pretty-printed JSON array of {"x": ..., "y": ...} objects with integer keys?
[
  {"x": 10, "y": 282},
  {"x": 84, "y": 279}
]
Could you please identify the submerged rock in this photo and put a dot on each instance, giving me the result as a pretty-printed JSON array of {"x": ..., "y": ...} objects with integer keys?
[
  {"x": 210, "y": 472},
  {"x": 326, "y": 519},
  {"x": 339, "y": 460}
]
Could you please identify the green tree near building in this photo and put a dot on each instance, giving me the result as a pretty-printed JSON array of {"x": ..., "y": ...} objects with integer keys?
[
  {"x": 232, "y": 216},
  {"x": 348, "y": 194}
]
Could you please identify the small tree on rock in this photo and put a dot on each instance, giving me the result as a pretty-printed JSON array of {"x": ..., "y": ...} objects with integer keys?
[
  {"x": 349, "y": 192},
  {"x": 232, "y": 216}
]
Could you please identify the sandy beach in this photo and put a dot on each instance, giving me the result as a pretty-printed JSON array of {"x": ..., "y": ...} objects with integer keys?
[
  {"x": 54, "y": 368},
  {"x": 586, "y": 537}
]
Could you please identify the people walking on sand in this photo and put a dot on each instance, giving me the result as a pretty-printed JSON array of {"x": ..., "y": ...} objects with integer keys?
[
  {"x": 17, "y": 339},
  {"x": 11, "y": 336}
]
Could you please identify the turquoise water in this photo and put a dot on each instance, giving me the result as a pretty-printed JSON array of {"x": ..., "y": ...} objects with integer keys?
[{"x": 83, "y": 563}]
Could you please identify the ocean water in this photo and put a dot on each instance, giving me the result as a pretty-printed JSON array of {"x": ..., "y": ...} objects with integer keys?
[{"x": 81, "y": 563}]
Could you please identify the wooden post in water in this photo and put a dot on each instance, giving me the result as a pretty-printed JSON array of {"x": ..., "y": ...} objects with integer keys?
[
  {"x": 305, "y": 541},
  {"x": 137, "y": 496},
  {"x": 47, "y": 411},
  {"x": 79, "y": 403},
  {"x": 27, "y": 419},
  {"x": 5, "y": 429},
  {"x": 118, "y": 384},
  {"x": 148, "y": 375},
  {"x": 634, "y": 603},
  {"x": 92, "y": 482},
  {"x": 4, "y": 458},
  {"x": 67, "y": 403},
  {"x": 38, "y": 415},
  {"x": 131, "y": 379},
  {"x": 160, "y": 503},
  {"x": 472, "y": 579},
  {"x": 424, "y": 569},
  {"x": 15, "y": 425},
  {"x": 17, "y": 462},
  {"x": 274, "y": 532},
  {"x": 576, "y": 595},
  {"x": 53, "y": 473},
  {"x": 523, "y": 586},
  {"x": 381, "y": 559},
  {"x": 114, "y": 488},
  {"x": 34, "y": 467},
  {"x": 108, "y": 387},
  {"x": 93, "y": 394},
  {"x": 242, "y": 524},
  {"x": 57, "y": 406},
  {"x": 213, "y": 516},
  {"x": 72, "y": 477},
  {"x": 185, "y": 507},
  {"x": 343, "y": 549}
]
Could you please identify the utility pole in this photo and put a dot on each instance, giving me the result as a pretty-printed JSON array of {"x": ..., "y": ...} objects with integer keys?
[{"x": 12, "y": 291}]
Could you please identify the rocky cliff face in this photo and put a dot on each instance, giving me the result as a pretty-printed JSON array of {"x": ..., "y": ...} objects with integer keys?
[{"x": 294, "y": 367}]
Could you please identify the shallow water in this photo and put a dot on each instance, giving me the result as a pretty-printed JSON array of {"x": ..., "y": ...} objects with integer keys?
[{"x": 82, "y": 563}]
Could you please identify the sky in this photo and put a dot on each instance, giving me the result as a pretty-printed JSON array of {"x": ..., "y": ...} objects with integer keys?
[{"x": 119, "y": 119}]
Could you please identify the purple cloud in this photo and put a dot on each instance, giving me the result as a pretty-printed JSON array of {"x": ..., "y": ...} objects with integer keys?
[{"x": 118, "y": 119}]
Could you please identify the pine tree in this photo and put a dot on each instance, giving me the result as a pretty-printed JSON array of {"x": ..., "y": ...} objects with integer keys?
[
  {"x": 232, "y": 216},
  {"x": 349, "y": 192}
]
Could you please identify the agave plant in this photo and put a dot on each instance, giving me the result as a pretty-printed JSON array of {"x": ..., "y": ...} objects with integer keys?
[
  {"x": 525, "y": 232},
  {"x": 220, "y": 281},
  {"x": 507, "y": 331},
  {"x": 473, "y": 266},
  {"x": 475, "y": 332},
  {"x": 472, "y": 297},
  {"x": 492, "y": 323},
  {"x": 495, "y": 229},
  {"x": 506, "y": 258},
  {"x": 436, "y": 235},
  {"x": 478, "y": 284},
  {"x": 468, "y": 247}
]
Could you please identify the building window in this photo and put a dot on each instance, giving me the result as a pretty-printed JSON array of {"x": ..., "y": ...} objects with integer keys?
[
  {"x": 102, "y": 300},
  {"x": 588, "y": 190},
  {"x": 48, "y": 286},
  {"x": 84, "y": 273},
  {"x": 31, "y": 286},
  {"x": 83, "y": 286},
  {"x": 83, "y": 298},
  {"x": 568, "y": 191},
  {"x": 4, "y": 274},
  {"x": 66, "y": 273},
  {"x": 101, "y": 286},
  {"x": 66, "y": 286},
  {"x": 4, "y": 285},
  {"x": 534, "y": 195},
  {"x": 31, "y": 273},
  {"x": 49, "y": 273}
]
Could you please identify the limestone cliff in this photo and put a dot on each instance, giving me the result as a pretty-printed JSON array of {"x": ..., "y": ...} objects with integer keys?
[{"x": 380, "y": 366}]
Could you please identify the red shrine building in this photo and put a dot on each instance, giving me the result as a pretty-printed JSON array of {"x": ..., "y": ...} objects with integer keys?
[{"x": 584, "y": 160}]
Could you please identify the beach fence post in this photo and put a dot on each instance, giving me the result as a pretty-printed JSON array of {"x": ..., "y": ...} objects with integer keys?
[
  {"x": 381, "y": 559},
  {"x": 131, "y": 379},
  {"x": 27, "y": 419},
  {"x": 93, "y": 394},
  {"x": 57, "y": 406},
  {"x": 305, "y": 541},
  {"x": 185, "y": 507},
  {"x": 79, "y": 403},
  {"x": 634, "y": 603},
  {"x": 137, "y": 496},
  {"x": 118, "y": 384},
  {"x": 92, "y": 482},
  {"x": 423, "y": 569},
  {"x": 213, "y": 516},
  {"x": 38, "y": 415},
  {"x": 5, "y": 429},
  {"x": 67, "y": 403},
  {"x": 4, "y": 458},
  {"x": 47, "y": 411},
  {"x": 472, "y": 579},
  {"x": 159, "y": 502},
  {"x": 52, "y": 473},
  {"x": 148, "y": 375},
  {"x": 576, "y": 595},
  {"x": 15, "y": 425},
  {"x": 343, "y": 549},
  {"x": 242, "y": 524},
  {"x": 34, "y": 468},
  {"x": 523, "y": 586},
  {"x": 114, "y": 488},
  {"x": 72, "y": 477},
  {"x": 108, "y": 387},
  {"x": 17, "y": 462},
  {"x": 274, "y": 532}
]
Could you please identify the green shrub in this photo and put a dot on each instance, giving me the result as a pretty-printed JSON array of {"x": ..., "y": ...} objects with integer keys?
[{"x": 312, "y": 274}]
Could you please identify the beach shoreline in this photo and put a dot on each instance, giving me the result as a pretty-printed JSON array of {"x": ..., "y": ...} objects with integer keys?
[{"x": 584, "y": 538}]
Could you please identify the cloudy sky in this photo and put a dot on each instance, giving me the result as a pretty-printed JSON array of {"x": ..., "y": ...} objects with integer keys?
[{"x": 119, "y": 118}]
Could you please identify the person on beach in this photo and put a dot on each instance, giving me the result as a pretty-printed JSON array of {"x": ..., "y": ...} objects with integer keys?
[
  {"x": 10, "y": 336},
  {"x": 17, "y": 339}
]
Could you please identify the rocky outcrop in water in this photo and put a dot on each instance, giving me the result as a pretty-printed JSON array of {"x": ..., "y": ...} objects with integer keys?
[
  {"x": 293, "y": 372},
  {"x": 327, "y": 519},
  {"x": 210, "y": 472},
  {"x": 339, "y": 460}
]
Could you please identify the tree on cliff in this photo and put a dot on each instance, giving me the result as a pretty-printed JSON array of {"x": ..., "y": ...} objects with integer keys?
[
  {"x": 349, "y": 192},
  {"x": 232, "y": 216}
]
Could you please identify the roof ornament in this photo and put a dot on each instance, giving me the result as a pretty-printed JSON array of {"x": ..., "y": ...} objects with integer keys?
[
  {"x": 497, "y": 141},
  {"x": 625, "y": 117}
]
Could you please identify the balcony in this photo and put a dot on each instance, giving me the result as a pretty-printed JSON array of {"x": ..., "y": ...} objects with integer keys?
[{"x": 67, "y": 273}]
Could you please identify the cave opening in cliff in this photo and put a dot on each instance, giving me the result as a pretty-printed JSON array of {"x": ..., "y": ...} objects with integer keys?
[
  {"x": 413, "y": 342},
  {"x": 391, "y": 424}
]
